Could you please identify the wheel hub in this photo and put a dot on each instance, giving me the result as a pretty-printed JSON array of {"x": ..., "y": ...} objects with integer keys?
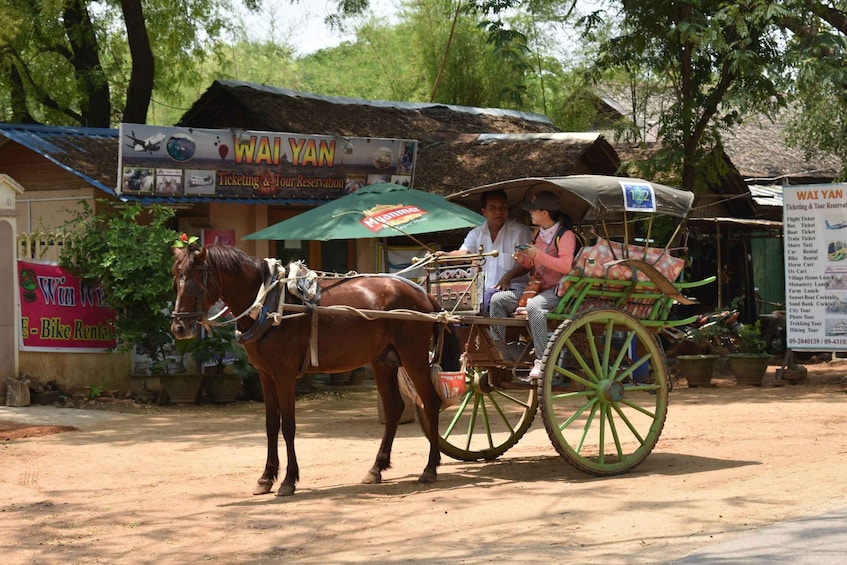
[{"x": 611, "y": 391}]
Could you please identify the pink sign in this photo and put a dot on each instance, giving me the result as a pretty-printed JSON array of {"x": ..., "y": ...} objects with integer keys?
[
  {"x": 219, "y": 237},
  {"x": 58, "y": 311}
]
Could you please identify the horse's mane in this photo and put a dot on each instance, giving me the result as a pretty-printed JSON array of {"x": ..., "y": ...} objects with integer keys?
[{"x": 231, "y": 259}]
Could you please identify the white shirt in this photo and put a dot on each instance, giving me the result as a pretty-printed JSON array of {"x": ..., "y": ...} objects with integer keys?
[{"x": 511, "y": 234}]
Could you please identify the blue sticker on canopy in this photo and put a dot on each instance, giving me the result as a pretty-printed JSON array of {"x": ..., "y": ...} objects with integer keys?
[{"x": 638, "y": 196}]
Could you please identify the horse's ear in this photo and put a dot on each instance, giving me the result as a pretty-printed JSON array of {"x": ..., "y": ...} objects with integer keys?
[{"x": 200, "y": 255}]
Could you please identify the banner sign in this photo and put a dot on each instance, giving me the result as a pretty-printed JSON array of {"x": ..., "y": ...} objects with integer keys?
[
  {"x": 193, "y": 162},
  {"x": 815, "y": 240},
  {"x": 60, "y": 312}
]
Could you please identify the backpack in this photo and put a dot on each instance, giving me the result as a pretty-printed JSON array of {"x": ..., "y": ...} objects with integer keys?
[{"x": 565, "y": 225}]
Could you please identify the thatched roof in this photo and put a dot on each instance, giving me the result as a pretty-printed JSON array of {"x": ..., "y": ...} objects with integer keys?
[
  {"x": 759, "y": 150},
  {"x": 255, "y": 106},
  {"x": 726, "y": 196},
  {"x": 456, "y": 147}
]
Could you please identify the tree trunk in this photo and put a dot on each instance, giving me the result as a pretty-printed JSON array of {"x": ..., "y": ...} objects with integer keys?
[
  {"x": 17, "y": 391},
  {"x": 17, "y": 97},
  {"x": 140, "y": 89},
  {"x": 96, "y": 107}
]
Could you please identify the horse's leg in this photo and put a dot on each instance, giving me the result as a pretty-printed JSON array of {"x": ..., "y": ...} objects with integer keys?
[
  {"x": 272, "y": 420},
  {"x": 286, "y": 386},
  {"x": 392, "y": 405},
  {"x": 431, "y": 407}
]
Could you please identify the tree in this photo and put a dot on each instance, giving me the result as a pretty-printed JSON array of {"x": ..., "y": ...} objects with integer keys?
[
  {"x": 435, "y": 50},
  {"x": 67, "y": 61},
  {"x": 717, "y": 62},
  {"x": 817, "y": 51},
  {"x": 129, "y": 252}
]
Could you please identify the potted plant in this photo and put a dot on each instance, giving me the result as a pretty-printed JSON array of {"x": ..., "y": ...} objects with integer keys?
[
  {"x": 181, "y": 382},
  {"x": 224, "y": 364},
  {"x": 750, "y": 364},
  {"x": 697, "y": 369}
]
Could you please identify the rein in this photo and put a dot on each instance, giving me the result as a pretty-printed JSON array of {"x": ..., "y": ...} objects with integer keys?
[{"x": 279, "y": 279}]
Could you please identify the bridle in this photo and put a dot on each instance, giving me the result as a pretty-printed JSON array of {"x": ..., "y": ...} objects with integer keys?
[
  {"x": 192, "y": 289},
  {"x": 199, "y": 292}
]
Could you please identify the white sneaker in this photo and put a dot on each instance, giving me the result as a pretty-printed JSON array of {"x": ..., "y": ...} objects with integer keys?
[{"x": 535, "y": 373}]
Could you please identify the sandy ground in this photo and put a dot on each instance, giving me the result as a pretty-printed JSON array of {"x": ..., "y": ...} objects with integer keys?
[{"x": 172, "y": 485}]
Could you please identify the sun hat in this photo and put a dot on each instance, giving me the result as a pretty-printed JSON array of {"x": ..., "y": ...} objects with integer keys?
[{"x": 542, "y": 200}]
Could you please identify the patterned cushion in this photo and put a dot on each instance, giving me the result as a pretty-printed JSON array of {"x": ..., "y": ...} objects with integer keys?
[{"x": 591, "y": 261}]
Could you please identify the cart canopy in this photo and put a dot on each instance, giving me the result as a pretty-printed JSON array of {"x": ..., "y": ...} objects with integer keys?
[{"x": 586, "y": 197}]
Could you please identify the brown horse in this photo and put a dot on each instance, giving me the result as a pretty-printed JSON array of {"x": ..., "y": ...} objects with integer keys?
[{"x": 341, "y": 340}]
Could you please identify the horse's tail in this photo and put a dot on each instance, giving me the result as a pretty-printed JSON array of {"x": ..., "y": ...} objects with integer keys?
[
  {"x": 451, "y": 350},
  {"x": 446, "y": 341}
]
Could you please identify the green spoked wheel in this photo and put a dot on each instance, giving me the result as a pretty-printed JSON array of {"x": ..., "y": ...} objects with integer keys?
[
  {"x": 604, "y": 392},
  {"x": 488, "y": 419}
]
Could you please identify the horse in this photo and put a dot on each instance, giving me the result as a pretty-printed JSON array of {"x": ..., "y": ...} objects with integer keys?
[{"x": 333, "y": 334}]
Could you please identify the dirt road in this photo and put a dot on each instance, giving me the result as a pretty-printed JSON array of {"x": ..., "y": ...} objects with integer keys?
[{"x": 173, "y": 486}]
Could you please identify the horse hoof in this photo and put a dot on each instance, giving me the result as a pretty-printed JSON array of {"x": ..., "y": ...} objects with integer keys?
[
  {"x": 285, "y": 490},
  {"x": 372, "y": 478},
  {"x": 428, "y": 477},
  {"x": 263, "y": 487}
]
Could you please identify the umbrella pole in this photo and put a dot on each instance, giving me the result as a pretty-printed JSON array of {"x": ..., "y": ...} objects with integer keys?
[{"x": 384, "y": 259}]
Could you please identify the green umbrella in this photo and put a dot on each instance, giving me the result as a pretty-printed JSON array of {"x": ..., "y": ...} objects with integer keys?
[{"x": 378, "y": 210}]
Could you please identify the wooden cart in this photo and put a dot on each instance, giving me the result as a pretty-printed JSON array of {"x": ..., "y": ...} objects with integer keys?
[{"x": 604, "y": 388}]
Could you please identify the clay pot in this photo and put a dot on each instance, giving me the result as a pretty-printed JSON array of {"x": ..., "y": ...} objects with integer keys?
[
  {"x": 697, "y": 369},
  {"x": 748, "y": 369}
]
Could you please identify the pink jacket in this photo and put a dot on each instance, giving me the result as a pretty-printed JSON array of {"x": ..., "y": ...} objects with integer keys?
[{"x": 554, "y": 264}]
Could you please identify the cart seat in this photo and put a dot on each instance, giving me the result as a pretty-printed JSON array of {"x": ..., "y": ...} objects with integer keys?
[{"x": 636, "y": 279}]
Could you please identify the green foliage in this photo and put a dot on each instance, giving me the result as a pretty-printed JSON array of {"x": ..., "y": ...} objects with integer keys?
[
  {"x": 750, "y": 339},
  {"x": 47, "y": 76},
  {"x": 709, "y": 334},
  {"x": 508, "y": 68},
  {"x": 128, "y": 250},
  {"x": 222, "y": 349},
  {"x": 716, "y": 62},
  {"x": 94, "y": 392}
]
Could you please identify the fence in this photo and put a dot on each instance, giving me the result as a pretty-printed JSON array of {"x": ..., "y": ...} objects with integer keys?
[{"x": 41, "y": 246}]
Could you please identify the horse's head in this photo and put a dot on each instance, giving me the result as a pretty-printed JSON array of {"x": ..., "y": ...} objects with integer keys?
[{"x": 194, "y": 296}]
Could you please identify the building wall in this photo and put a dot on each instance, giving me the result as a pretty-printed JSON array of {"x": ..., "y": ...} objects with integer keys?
[
  {"x": 36, "y": 173},
  {"x": 46, "y": 210},
  {"x": 107, "y": 371}
]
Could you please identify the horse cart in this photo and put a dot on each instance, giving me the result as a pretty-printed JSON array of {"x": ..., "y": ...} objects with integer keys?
[{"x": 604, "y": 387}]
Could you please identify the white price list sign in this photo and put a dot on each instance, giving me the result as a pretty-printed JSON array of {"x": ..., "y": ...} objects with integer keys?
[{"x": 815, "y": 240}]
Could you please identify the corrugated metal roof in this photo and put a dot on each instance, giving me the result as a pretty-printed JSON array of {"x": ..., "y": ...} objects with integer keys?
[
  {"x": 770, "y": 195},
  {"x": 755, "y": 222},
  {"x": 147, "y": 200},
  {"x": 67, "y": 147}
]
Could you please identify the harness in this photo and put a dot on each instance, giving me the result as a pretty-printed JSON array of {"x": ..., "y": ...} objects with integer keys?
[
  {"x": 268, "y": 308},
  {"x": 297, "y": 281}
]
